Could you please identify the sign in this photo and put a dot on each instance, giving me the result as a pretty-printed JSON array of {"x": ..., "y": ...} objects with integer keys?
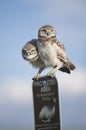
[{"x": 46, "y": 104}]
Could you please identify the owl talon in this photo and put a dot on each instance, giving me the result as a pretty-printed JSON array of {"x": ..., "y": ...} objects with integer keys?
[
  {"x": 36, "y": 77},
  {"x": 50, "y": 74}
]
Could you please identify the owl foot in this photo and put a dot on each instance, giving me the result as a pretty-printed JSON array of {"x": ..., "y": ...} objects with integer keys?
[
  {"x": 51, "y": 75},
  {"x": 36, "y": 77}
]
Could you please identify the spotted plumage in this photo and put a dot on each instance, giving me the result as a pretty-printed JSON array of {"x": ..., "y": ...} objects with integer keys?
[
  {"x": 47, "y": 51},
  {"x": 30, "y": 53},
  {"x": 52, "y": 51}
]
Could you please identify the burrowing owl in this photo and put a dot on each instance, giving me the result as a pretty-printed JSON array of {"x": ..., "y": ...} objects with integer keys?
[
  {"x": 52, "y": 51},
  {"x": 30, "y": 53}
]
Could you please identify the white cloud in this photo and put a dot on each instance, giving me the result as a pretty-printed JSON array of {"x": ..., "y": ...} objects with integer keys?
[
  {"x": 73, "y": 84},
  {"x": 15, "y": 90},
  {"x": 20, "y": 90}
]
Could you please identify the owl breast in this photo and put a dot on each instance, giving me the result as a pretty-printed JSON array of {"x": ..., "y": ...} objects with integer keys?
[{"x": 47, "y": 54}]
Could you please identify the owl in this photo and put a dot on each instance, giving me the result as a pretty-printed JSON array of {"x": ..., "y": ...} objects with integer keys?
[
  {"x": 52, "y": 52},
  {"x": 30, "y": 53}
]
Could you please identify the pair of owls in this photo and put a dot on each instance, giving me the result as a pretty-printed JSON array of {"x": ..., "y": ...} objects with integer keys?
[{"x": 47, "y": 51}]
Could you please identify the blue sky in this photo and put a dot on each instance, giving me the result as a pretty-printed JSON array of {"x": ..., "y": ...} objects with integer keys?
[{"x": 19, "y": 23}]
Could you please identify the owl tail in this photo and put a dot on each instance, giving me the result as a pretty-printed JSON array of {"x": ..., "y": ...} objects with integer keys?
[
  {"x": 71, "y": 66},
  {"x": 67, "y": 67}
]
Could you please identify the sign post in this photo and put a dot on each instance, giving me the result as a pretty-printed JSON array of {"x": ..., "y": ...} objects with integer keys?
[{"x": 46, "y": 104}]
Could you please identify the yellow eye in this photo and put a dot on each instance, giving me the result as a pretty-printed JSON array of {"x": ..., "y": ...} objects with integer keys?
[
  {"x": 52, "y": 30},
  {"x": 43, "y": 31},
  {"x": 32, "y": 51}
]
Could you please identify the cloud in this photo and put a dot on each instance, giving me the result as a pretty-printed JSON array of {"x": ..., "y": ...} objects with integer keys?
[
  {"x": 16, "y": 98},
  {"x": 19, "y": 90},
  {"x": 73, "y": 84},
  {"x": 15, "y": 90}
]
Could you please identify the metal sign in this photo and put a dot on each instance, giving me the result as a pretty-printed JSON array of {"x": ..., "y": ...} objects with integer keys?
[{"x": 46, "y": 104}]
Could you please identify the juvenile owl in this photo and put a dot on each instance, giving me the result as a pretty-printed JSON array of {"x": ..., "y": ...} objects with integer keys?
[
  {"x": 52, "y": 51},
  {"x": 30, "y": 53}
]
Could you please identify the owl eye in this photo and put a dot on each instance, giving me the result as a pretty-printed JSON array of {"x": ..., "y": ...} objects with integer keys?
[
  {"x": 43, "y": 31},
  {"x": 52, "y": 30},
  {"x": 32, "y": 51}
]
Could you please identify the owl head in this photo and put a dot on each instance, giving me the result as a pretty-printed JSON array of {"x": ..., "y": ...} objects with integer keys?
[
  {"x": 29, "y": 51},
  {"x": 47, "y": 31}
]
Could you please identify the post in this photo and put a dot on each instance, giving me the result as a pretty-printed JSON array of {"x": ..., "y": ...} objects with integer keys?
[{"x": 46, "y": 104}]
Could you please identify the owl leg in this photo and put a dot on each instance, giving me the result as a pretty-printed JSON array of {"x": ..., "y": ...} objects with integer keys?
[
  {"x": 38, "y": 74},
  {"x": 52, "y": 72}
]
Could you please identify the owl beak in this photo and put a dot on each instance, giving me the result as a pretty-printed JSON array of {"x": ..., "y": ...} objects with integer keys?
[{"x": 48, "y": 33}]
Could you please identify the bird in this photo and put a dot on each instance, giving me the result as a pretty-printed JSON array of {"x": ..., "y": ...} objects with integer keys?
[
  {"x": 30, "y": 54},
  {"x": 46, "y": 51},
  {"x": 47, "y": 113},
  {"x": 52, "y": 52},
  {"x": 48, "y": 110}
]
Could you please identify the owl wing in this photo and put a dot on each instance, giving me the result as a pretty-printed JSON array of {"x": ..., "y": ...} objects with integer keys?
[
  {"x": 62, "y": 56},
  {"x": 60, "y": 50}
]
